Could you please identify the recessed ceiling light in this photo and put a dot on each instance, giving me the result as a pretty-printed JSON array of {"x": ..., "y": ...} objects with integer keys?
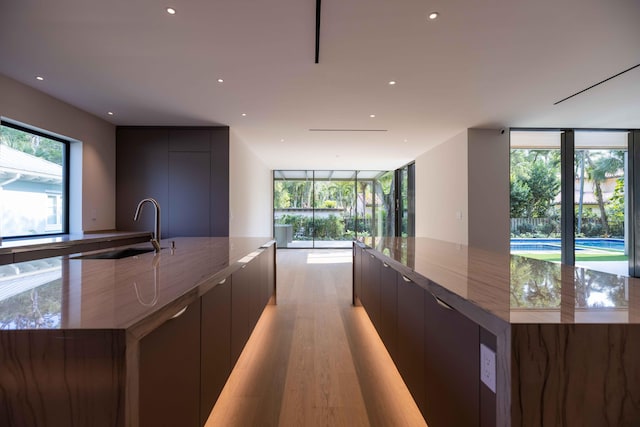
[
  {"x": 220, "y": 81},
  {"x": 110, "y": 113},
  {"x": 281, "y": 139},
  {"x": 244, "y": 114},
  {"x": 372, "y": 115},
  {"x": 433, "y": 15},
  {"x": 405, "y": 140},
  {"x": 392, "y": 82},
  {"x": 171, "y": 11},
  {"x": 39, "y": 78}
]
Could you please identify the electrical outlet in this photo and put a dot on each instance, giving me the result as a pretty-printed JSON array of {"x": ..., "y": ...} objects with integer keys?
[{"x": 488, "y": 367}]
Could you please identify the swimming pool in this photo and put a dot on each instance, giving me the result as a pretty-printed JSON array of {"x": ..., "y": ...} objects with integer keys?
[{"x": 549, "y": 245}]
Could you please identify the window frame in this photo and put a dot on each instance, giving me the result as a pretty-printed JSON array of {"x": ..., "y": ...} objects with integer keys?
[
  {"x": 567, "y": 205},
  {"x": 65, "y": 177}
]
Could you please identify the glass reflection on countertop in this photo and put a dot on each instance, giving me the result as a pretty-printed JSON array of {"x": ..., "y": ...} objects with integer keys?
[
  {"x": 538, "y": 284},
  {"x": 595, "y": 289},
  {"x": 533, "y": 286},
  {"x": 31, "y": 294}
]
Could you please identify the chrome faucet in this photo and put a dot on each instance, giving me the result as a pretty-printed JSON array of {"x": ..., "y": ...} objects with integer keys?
[{"x": 155, "y": 241}]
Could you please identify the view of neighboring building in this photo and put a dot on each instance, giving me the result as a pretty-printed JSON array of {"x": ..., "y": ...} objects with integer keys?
[{"x": 31, "y": 195}]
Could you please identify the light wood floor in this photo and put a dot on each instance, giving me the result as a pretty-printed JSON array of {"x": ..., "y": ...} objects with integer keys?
[{"x": 314, "y": 359}]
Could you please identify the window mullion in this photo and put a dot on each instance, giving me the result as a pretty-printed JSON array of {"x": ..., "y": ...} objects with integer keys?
[{"x": 567, "y": 229}]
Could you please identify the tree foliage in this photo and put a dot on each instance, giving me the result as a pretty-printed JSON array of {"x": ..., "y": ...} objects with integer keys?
[
  {"x": 354, "y": 203},
  {"x": 534, "y": 182},
  {"x": 35, "y": 145},
  {"x": 600, "y": 165}
]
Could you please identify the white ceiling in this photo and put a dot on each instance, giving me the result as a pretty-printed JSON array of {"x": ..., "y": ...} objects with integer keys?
[{"x": 483, "y": 63}]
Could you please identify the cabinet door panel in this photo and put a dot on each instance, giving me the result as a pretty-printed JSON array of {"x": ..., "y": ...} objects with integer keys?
[
  {"x": 240, "y": 289},
  {"x": 255, "y": 293},
  {"x": 170, "y": 372},
  {"x": 143, "y": 170},
  {"x": 271, "y": 273},
  {"x": 264, "y": 279},
  {"x": 219, "y": 182},
  {"x": 189, "y": 194},
  {"x": 142, "y": 166},
  {"x": 357, "y": 275},
  {"x": 452, "y": 366},
  {"x": 371, "y": 288},
  {"x": 411, "y": 338},
  {"x": 389, "y": 310},
  {"x": 215, "y": 345},
  {"x": 189, "y": 139}
]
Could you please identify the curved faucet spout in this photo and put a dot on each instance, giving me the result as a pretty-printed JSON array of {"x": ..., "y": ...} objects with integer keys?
[{"x": 155, "y": 241}]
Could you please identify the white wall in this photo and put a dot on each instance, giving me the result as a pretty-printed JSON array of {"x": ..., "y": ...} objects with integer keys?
[
  {"x": 250, "y": 192},
  {"x": 92, "y": 179},
  {"x": 442, "y": 191},
  {"x": 462, "y": 190}
]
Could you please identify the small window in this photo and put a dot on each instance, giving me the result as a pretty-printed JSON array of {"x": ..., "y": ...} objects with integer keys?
[{"x": 33, "y": 182}]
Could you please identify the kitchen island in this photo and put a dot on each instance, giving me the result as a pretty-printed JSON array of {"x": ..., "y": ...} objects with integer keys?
[
  {"x": 488, "y": 339},
  {"x": 143, "y": 340}
]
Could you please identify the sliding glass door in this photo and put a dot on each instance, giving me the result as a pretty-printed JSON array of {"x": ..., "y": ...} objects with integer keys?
[
  {"x": 334, "y": 208},
  {"x": 600, "y": 200},
  {"x": 569, "y": 197},
  {"x": 535, "y": 194},
  {"x": 293, "y": 212},
  {"x": 330, "y": 208}
]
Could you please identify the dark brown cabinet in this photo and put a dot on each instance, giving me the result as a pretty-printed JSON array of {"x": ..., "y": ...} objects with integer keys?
[
  {"x": 142, "y": 170},
  {"x": 185, "y": 169},
  {"x": 169, "y": 372},
  {"x": 257, "y": 285},
  {"x": 187, "y": 214},
  {"x": 239, "y": 312},
  {"x": 452, "y": 367},
  {"x": 185, "y": 362},
  {"x": 246, "y": 305},
  {"x": 371, "y": 288},
  {"x": 270, "y": 255},
  {"x": 357, "y": 274},
  {"x": 266, "y": 277},
  {"x": 410, "y": 344},
  {"x": 215, "y": 345},
  {"x": 435, "y": 347},
  {"x": 388, "y": 329}
]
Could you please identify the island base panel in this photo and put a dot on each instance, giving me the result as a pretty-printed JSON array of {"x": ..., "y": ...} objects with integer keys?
[
  {"x": 73, "y": 377},
  {"x": 575, "y": 375}
]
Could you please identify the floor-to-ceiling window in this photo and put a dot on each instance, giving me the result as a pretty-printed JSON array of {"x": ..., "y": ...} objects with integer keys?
[
  {"x": 600, "y": 199},
  {"x": 293, "y": 211},
  {"x": 535, "y": 194},
  {"x": 406, "y": 197},
  {"x": 330, "y": 208},
  {"x": 334, "y": 208},
  {"x": 569, "y": 197}
]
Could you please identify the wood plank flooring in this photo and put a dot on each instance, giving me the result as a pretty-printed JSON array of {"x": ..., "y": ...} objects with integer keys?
[{"x": 314, "y": 359}]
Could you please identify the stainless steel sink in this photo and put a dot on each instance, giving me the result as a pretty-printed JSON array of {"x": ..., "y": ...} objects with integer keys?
[{"x": 115, "y": 253}]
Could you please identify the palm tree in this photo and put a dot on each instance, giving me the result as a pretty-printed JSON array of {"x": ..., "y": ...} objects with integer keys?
[{"x": 600, "y": 165}]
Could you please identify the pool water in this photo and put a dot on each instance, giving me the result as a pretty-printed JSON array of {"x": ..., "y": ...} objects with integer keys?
[
  {"x": 532, "y": 247},
  {"x": 547, "y": 245}
]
